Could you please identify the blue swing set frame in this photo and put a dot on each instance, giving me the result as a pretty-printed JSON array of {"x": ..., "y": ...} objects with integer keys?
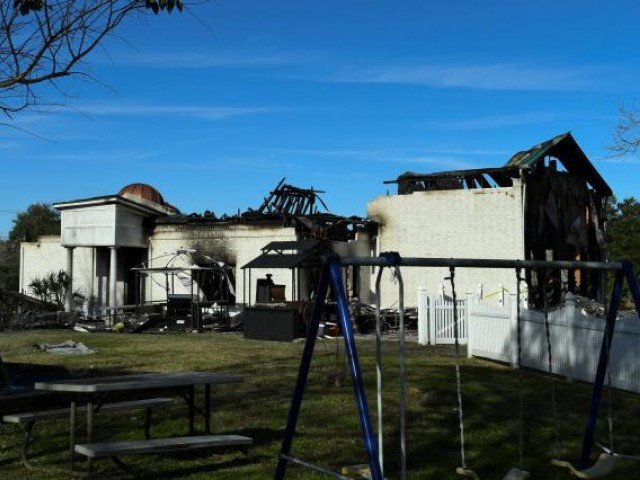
[{"x": 331, "y": 275}]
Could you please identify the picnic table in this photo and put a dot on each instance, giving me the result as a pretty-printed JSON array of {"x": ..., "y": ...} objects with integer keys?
[{"x": 94, "y": 392}]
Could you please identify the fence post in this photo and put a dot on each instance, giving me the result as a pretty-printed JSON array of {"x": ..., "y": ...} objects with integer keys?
[
  {"x": 470, "y": 327},
  {"x": 512, "y": 308},
  {"x": 423, "y": 316},
  {"x": 432, "y": 320},
  {"x": 569, "y": 314}
]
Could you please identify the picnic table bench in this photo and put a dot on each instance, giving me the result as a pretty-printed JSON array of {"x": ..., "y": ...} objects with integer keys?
[
  {"x": 28, "y": 419},
  {"x": 92, "y": 391},
  {"x": 161, "y": 445}
]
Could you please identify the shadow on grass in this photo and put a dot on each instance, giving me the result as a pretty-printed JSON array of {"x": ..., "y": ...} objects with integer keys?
[{"x": 240, "y": 461}]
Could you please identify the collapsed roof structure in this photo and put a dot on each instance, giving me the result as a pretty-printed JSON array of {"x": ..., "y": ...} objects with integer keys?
[
  {"x": 287, "y": 206},
  {"x": 562, "y": 148},
  {"x": 564, "y": 202}
]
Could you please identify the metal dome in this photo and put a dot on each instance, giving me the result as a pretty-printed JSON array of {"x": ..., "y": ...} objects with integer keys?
[{"x": 143, "y": 191}]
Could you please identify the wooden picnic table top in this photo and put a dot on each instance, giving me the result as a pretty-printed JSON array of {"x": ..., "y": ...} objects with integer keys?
[{"x": 137, "y": 381}]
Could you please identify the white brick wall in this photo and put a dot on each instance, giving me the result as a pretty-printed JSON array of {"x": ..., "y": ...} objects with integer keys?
[
  {"x": 482, "y": 223},
  {"x": 235, "y": 244}
]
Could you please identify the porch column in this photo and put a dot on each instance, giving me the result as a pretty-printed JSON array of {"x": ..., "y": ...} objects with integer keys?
[
  {"x": 69, "y": 296},
  {"x": 113, "y": 280}
]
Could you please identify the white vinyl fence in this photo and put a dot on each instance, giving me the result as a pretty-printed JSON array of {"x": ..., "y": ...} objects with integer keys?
[
  {"x": 576, "y": 340},
  {"x": 435, "y": 320}
]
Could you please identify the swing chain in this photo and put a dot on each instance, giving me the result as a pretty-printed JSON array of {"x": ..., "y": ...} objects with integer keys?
[
  {"x": 451, "y": 278},
  {"x": 520, "y": 375},
  {"x": 608, "y": 354},
  {"x": 545, "y": 314}
]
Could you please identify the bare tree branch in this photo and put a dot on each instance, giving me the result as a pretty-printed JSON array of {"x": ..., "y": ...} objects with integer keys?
[
  {"x": 626, "y": 134},
  {"x": 42, "y": 41}
]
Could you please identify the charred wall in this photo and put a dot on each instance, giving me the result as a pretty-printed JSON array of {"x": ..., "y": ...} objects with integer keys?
[
  {"x": 563, "y": 221},
  {"x": 233, "y": 243}
]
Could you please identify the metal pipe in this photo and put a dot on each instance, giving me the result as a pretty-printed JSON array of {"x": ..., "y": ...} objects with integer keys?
[
  {"x": 207, "y": 408},
  {"x": 628, "y": 273},
  {"x": 403, "y": 379},
  {"x": 73, "y": 415},
  {"x": 192, "y": 409},
  {"x": 335, "y": 275},
  {"x": 313, "y": 466},
  {"x": 379, "y": 372},
  {"x": 303, "y": 373},
  {"x": 383, "y": 261},
  {"x": 90, "y": 414},
  {"x": 598, "y": 383}
]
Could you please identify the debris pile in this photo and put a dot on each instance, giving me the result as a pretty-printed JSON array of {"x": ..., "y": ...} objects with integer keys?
[{"x": 65, "y": 348}]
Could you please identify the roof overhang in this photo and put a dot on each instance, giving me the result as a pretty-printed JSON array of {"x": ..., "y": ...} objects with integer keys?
[
  {"x": 274, "y": 254},
  {"x": 146, "y": 208},
  {"x": 282, "y": 260}
]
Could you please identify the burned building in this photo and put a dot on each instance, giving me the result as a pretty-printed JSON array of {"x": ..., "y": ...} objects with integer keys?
[
  {"x": 134, "y": 247},
  {"x": 547, "y": 202},
  {"x": 287, "y": 214}
]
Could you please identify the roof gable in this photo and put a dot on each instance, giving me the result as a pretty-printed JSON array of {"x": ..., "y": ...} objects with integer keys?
[{"x": 568, "y": 152}]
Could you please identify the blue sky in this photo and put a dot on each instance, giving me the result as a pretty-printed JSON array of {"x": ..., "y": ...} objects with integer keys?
[{"x": 214, "y": 107}]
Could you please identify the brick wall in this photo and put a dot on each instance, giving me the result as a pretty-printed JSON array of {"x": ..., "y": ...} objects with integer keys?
[
  {"x": 482, "y": 223},
  {"x": 234, "y": 244}
]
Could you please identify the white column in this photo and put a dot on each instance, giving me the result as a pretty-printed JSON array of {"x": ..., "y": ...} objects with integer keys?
[
  {"x": 423, "y": 316},
  {"x": 69, "y": 299},
  {"x": 113, "y": 279}
]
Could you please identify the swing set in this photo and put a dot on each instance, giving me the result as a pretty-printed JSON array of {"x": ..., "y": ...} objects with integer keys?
[{"x": 331, "y": 275}]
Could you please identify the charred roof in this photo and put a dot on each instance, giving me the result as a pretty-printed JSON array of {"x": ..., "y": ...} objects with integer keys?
[
  {"x": 289, "y": 206},
  {"x": 562, "y": 148},
  {"x": 565, "y": 149},
  {"x": 410, "y": 182}
]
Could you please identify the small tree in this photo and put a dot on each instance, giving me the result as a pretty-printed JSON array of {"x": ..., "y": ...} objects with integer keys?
[
  {"x": 39, "y": 288},
  {"x": 54, "y": 288},
  {"x": 39, "y": 219},
  {"x": 623, "y": 233}
]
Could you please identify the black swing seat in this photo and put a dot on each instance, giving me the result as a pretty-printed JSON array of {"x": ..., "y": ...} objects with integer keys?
[
  {"x": 513, "y": 474},
  {"x": 605, "y": 465}
]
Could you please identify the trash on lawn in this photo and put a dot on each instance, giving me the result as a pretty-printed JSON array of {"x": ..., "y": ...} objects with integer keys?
[
  {"x": 66, "y": 348},
  {"x": 87, "y": 326}
]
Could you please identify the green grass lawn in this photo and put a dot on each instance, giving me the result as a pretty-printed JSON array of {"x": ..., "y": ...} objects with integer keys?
[{"x": 328, "y": 429}]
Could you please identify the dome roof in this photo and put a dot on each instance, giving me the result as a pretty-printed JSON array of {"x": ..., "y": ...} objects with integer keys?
[{"x": 143, "y": 191}]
